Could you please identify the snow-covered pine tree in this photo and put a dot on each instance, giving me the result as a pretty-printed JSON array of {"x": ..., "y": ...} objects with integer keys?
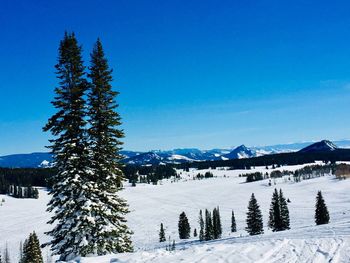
[
  {"x": 201, "y": 226},
  {"x": 284, "y": 211},
  {"x": 73, "y": 193},
  {"x": 162, "y": 234},
  {"x": 275, "y": 220},
  {"x": 233, "y": 222},
  {"x": 184, "y": 227},
  {"x": 321, "y": 212},
  {"x": 31, "y": 250},
  {"x": 111, "y": 234},
  {"x": 254, "y": 218}
]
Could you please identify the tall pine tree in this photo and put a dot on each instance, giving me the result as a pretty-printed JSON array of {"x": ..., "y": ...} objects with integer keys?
[
  {"x": 254, "y": 218},
  {"x": 284, "y": 212},
  {"x": 201, "y": 226},
  {"x": 321, "y": 212},
  {"x": 233, "y": 222},
  {"x": 184, "y": 227},
  {"x": 72, "y": 189},
  {"x": 209, "y": 229},
  {"x": 111, "y": 234},
  {"x": 275, "y": 220}
]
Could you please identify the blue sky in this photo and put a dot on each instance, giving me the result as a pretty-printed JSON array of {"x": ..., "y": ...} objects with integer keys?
[{"x": 199, "y": 74}]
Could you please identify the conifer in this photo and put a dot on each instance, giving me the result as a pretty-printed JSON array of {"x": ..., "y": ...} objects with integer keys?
[
  {"x": 72, "y": 188},
  {"x": 201, "y": 226},
  {"x": 284, "y": 212},
  {"x": 275, "y": 220},
  {"x": 321, "y": 212},
  {"x": 184, "y": 227},
  {"x": 111, "y": 234},
  {"x": 233, "y": 222},
  {"x": 31, "y": 250},
  {"x": 254, "y": 218},
  {"x": 162, "y": 234},
  {"x": 209, "y": 231}
]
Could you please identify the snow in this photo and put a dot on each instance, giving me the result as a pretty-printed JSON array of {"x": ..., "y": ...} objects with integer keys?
[{"x": 151, "y": 205}]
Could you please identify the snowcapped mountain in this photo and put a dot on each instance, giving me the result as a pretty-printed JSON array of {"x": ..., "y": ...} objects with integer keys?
[
  {"x": 182, "y": 155},
  {"x": 322, "y": 146},
  {"x": 240, "y": 152}
]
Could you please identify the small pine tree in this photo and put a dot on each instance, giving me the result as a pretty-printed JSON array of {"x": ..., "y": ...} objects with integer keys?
[
  {"x": 184, "y": 227},
  {"x": 6, "y": 255},
  {"x": 162, "y": 234},
  {"x": 173, "y": 246},
  {"x": 284, "y": 212},
  {"x": 195, "y": 232},
  {"x": 233, "y": 222},
  {"x": 201, "y": 226},
  {"x": 275, "y": 220},
  {"x": 321, "y": 212},
  {"x": 254, "y": 218},
  {"x": 31, "y": 250}
]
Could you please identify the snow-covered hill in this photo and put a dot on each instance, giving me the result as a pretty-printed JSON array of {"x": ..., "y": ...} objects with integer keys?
[{"x": 151, "y": 205}]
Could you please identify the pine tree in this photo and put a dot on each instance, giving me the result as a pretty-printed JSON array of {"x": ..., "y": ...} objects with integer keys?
[
  {"x": 195, "y": 232},
  {"x": 217, "y": 228},
  {"x": 233, "y": 222},
  {"x": 275, "y": 220},
  {"x": 184, "y": 227},
  {"x": 284, "y": 212},
  {"x": 6, "y": 255},
  {"x": 20, "y": 252},
  {"x": 254, "y": 218},
  {"x": 31, "y": 250},
  {"x": 73, "y": 192},
  {"x": 162, "y": 234},
  {"x": 111, "y": 234},
  {"x": 321, "y": 212},
  {"x": 201, "y": 226},
  {"x": 209, "y": 230}
]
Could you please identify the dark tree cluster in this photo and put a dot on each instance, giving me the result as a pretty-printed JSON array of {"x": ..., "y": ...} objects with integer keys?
[
  {"x": 252, "y": 177},
  {"x": 23, "y": 192},
  {"x": 279, "y": 213},
  {"x": 184, "y": 227},
  {"x": 200, "y": 176},
  {"x": 148, "y": 174},
  {"x": 210, "y": 227}
]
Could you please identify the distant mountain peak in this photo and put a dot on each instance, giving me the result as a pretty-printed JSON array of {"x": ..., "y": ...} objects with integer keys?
[{"x": 321, "y": 146}]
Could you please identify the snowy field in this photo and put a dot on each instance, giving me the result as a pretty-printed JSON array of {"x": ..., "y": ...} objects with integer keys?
[{"x": 151, "y": 205}]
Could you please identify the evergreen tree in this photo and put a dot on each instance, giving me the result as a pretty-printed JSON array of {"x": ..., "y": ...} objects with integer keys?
[
  {"x": 195, "y": 232},
  {"x": 173, "y": 246},
  {"x": 209, "y": 231},
  {"x": 112, "y": 234},
  {"x": 20, "y": 252},
  {"x": 31, "y": 250},
  {"x": 321, "y": 212},
  {"x": 275, "y": 220},
  {"x": 254, "y": 218},
  {"x": 233, "y": 222},
  {"x": 201, "y": 226},
  {"x": 184, "y": 227},
  {"x": 73, "y": 192},
  {"x": 162, "y": 234},
  {"x": 284, "y": 212},
  {"x": 217, "y": 228},
  {"x": 6, "y": 255}
]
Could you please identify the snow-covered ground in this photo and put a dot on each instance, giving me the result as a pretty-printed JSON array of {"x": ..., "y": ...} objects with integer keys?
[{"x": 151, "y": 205}]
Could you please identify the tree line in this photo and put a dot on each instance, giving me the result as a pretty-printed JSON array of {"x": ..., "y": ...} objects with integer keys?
[{"x": 210, "y": 226}]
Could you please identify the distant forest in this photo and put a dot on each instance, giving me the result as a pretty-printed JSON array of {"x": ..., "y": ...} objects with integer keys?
[{"x": 152, "y": 174}]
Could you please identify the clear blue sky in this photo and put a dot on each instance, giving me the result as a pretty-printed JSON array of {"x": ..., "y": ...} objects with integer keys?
[{"x": 191, "y": 73}]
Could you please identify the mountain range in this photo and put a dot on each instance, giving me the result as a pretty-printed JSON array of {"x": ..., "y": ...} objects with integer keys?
[{"x": 42, "y": 159}]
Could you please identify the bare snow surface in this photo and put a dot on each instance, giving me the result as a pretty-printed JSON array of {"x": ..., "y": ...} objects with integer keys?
[{"x": 151, "y": 205}]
